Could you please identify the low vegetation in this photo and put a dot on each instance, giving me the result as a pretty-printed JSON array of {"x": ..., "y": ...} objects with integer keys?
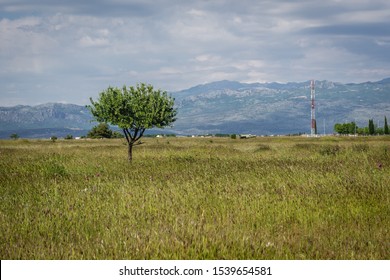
[
  {"x": 196, "y": 198},
  {"x": 371, "y": 129}
]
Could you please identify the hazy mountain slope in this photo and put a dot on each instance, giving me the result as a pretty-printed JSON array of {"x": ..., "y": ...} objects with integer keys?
[
  {"x": 44, "y": 120},
  {"x": 274, "y": 108},
  {"x": 47, "y": 115},
  {"x": 226, "y": 107}
]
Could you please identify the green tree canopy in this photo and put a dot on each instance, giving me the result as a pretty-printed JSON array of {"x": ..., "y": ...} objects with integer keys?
[
  {"x": 102, "y": 130},
  {"x": 345, "y": 128},
  {"x": 134, "y": 109},
  {"x": 14, "y": 136}
]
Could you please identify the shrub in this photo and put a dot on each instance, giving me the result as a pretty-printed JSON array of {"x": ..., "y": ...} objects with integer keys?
[
  {"x": 328, "y": 150},
  {"x": 54, "y": 169},
  {"x": 263, "y": 147},
  {"x": 360, "y": 148},
  {"x": 305, "y": 146}
]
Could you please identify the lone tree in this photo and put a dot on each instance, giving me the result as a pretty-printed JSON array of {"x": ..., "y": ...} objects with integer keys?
[
  {"x": 371, "y": 127},
  {"x": 14, "y": 136},
  {"x": 134, "y": 109},
  {"x": 386, "y": 127}
]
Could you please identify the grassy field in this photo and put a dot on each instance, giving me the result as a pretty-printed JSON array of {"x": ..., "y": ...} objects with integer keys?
[{"x": 204, "y": 198}]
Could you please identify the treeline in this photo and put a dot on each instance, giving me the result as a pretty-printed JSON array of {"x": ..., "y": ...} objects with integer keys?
[
  {"x": 102, "y": 130},
  {"x": 371, "y": 129}
]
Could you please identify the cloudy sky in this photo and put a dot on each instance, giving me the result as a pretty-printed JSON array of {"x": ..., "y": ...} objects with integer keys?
[{"x": 68, "y": 51}]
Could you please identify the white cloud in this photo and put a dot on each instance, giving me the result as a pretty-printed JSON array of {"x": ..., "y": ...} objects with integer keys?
[
  {"x": 196, "y": 13},
  {"x": 237, "y": 20},
  {"x": 76, "y": 50},
  {"x": 208, "y": 58},
  {"x": 383, "y": 42},
  {"x": 87, "y": 41}
]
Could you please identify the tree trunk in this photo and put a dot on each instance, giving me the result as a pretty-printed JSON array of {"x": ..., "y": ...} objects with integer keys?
[{"x": 130, "y": 152}]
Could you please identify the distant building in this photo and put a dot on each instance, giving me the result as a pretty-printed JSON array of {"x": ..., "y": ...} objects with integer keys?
[{"x": 246, "y": 136}]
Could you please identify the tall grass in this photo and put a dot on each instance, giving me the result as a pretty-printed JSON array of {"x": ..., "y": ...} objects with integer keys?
[{"x": 263, "y": 198}]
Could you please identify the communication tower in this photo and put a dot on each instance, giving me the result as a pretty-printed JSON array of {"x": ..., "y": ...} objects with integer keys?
[{"x": 313, "y": 109}]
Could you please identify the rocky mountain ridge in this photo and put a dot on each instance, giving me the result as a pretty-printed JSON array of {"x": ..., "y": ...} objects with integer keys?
[{"x": 226, "y": 107}]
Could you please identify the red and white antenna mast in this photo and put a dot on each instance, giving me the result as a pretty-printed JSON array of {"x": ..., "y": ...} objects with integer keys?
[{"x": 313, "y": 109}]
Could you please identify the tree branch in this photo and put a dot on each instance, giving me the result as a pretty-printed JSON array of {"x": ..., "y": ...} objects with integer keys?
[
  {"x": 141, "y": 134},
  {"x": 126, "y": 135}
]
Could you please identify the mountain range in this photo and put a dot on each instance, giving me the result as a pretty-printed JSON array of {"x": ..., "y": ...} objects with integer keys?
[{"x": 226, "y": 107}]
